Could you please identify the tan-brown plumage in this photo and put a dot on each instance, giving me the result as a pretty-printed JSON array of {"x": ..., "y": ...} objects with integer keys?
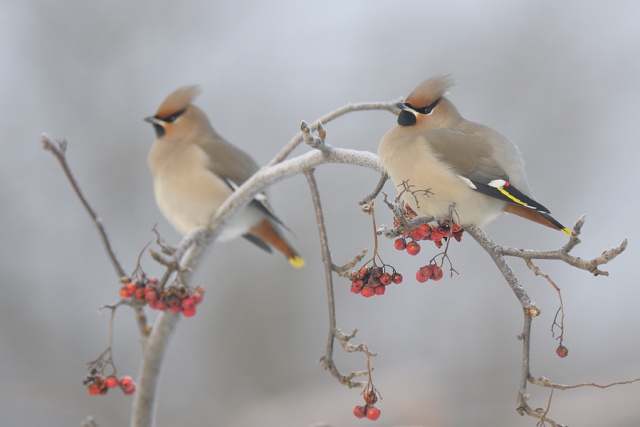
[
  {"x": 463, "y": 164},
  {"x": 194, "y": 170}
]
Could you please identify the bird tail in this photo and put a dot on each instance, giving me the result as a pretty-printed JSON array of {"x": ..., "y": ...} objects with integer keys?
[
  {"x": 536, "y": 216},
  {"x": 266, "y": 232}
]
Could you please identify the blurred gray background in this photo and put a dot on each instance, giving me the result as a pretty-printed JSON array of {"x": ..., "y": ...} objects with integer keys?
[{"x": 562, "y": 79}]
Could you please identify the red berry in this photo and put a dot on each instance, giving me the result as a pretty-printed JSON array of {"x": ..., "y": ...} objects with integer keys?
[
  {"x": 437, "y": 273},
  {"x": 197, "y": 297},
  {"x": 385, "y": 279},
  {"x": 94, "y": 390},
  {"x": 413, "y": 248},
  {"x": 151, "y": 296},
  {"x": 356, "y": 286},
  {"x": 188, "y": 304},
  {"x": 360, "y": 411},
  {"x": 379, "y": 290},
  {"x": 131, "y": 288},
  {"x": 111, "y": 381},
  {"x": 189, "y": 312},
  {"x": 373, "y": 413},
  {"x": 437, "y": 234},
  {"x": 139, "y": 293},
  {"x": 400, "y": 244},
  {"x": 124, "y": 293},
  {"x": 425, "y": 273},
  {"x": 130, "y": 391},
  {"x": 417, "y": 233},
  {"x": 562, "y": 351},
  {"x": 126, "y": 381},
  {"x": 396, "y": 278},
  {"x": 368, "y": 291},
  {"x": 127, "y": 385}
]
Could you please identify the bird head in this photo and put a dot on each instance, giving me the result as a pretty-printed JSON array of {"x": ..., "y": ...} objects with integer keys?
[
  {"x": 177, "y": 116},
  {"x": 426, "y": 106}
]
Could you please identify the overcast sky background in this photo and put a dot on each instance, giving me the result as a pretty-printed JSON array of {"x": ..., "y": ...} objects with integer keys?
[{"x": 562, "y": 79}]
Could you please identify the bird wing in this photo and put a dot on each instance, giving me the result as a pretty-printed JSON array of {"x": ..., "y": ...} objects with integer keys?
[
  {"x": 473, "y": 159},
  {"x": 235, "y": 166}
]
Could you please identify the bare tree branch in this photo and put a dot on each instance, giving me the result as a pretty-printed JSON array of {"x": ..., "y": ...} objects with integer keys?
[{"x": 58, "y": 148}]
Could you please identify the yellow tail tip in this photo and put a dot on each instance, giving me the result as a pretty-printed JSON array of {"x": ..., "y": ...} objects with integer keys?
[
  {"x": 296, "y": 261},
  {"x": 565, "y": 230}
]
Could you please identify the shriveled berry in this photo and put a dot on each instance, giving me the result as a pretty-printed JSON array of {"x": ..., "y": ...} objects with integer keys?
[
  {"x": 562, "y": 351},
  {"x": 373, "y": 282},
  {"x": 376, "y": 271},
  {"x": 413, "y": 248},
  {"x": 437, "y": 273},
  {"x": 373, "y": 413},
  {"x": 400, "y": 244},
  {"x": 94, "y": 390},
  {"x": 370, "y": 397},
  {"x": 385, "y": 279},
  {"x": 363, "y": 272},
  {"x": 424, "y": 273},
  {"x": 360, "y": 411},
  {"x": 396, "y": 278},
  {"x": 368, "y": 291}
]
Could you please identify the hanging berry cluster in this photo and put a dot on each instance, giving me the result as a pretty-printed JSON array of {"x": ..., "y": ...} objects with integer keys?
[
  {"x": 369, "y": 281},
  {"x": 177, "y": 299},
  {"x": 438, "y": 234},
  {"x": 97, "y": 385},
  {"x": 98, "y": 382},
  {"x": 370, "y": 394}
]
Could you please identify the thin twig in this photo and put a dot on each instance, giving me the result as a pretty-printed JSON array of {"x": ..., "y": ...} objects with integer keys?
[
  {"x": 562, "y": 254},
  {"x": 58, "y": 149},
  {"x": 362, "y": 106}
]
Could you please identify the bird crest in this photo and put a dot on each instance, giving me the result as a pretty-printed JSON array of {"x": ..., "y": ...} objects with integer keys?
[
  {"x": 178, "y": 100},
  {"x": 429, "y": 91}
]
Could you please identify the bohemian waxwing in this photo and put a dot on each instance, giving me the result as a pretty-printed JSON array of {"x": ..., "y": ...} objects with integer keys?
[
  {"x": 194, "y": 170},
  {"x": 444, "y": 160}
]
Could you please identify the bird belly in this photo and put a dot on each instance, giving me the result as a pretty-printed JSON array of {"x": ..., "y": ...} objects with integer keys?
[
  {"x": 434, "y": 187},
  {"x": 190, "y": 200}
]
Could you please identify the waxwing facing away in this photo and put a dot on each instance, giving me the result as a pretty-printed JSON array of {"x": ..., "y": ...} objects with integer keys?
[
  {"x": 194, "y": 170},
  {"x": 457, "y": 162}
]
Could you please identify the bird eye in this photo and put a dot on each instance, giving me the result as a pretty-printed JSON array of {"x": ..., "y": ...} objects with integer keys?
[
  {"x": 429, "y": 108},
  {"x": 172, "y": 118}
]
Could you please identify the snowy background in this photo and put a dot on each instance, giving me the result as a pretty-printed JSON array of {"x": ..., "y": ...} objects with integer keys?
[{"x": 562, "y": 79}]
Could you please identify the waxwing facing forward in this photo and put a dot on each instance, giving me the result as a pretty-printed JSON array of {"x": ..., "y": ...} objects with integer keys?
[
  {"x": 194, "y": 170},
  {"x": 445, "y": 160}
]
